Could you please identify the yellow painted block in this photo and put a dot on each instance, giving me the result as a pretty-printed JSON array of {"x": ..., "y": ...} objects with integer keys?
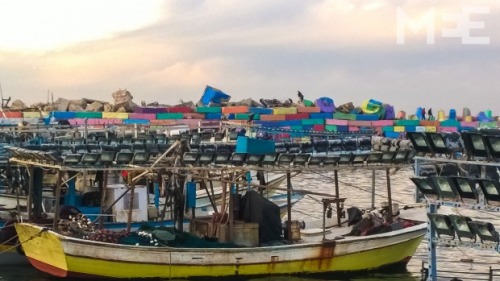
[
  {"x": 431, "y": 129},
  {"x": 284, "y": 110},
  {"x": 31, "y": 115},
  {"x": 399, "y": 129},
  {"x": 115, "y": 115}
]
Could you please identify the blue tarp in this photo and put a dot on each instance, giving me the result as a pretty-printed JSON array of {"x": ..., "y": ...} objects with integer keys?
[{"x": 213, "y": 96}]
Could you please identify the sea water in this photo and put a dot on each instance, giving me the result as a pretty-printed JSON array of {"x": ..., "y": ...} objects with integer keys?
[{"x": 356, "y": 187}]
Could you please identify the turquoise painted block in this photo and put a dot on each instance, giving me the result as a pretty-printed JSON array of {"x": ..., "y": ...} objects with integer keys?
[
  {"x": 246, "y": 116},
  {"x": 84, "y": 114},
  {"x": 163, "y": 116},
  {"x": 313, "y": 121},
  {"x": 211, "y": 109},
  {"x": 449, "y": 123}
]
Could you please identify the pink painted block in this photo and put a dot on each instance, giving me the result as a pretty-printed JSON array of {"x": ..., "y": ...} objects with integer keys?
[
  {"x": 76, "y": 121},
  {"x": 192, "y": 123},
  {"x": 353, "y": 129},
  {"x": 337, "y": 122},
  {"x": 193, "y": 115},
  {"x": 93, "y": 121},
  {"x": 447, "y": 129},
  {"x": 382, "y": 123},
  {"x": 359, "y": 123},
  {"x": 111, "y": 121},
  {"x": 146, "y": 116},
  {"x": 469, "y": 124}
]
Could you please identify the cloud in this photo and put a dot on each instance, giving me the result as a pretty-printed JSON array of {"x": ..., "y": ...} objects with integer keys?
[{"x": 44, "y": 25}]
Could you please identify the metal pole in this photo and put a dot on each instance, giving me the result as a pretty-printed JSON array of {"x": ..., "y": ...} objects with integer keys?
[
  {"x": 231, "y": 207},
  {"x": 58, "y": 197},
  {"x": 289, "y": 205},
  {"x": 103, "y": 197},
  {"x": 417, "y": 173},
  {"x": 85, "y": 130},
  {"x": 131, "y": 206},
  {"x": 389, "y": 196},
  {"x": 337, "y": 195},
  {"x": 18, "y": 206},
  {"x": 373, "y": 189},
  {"x": 431, "y": 247},
  {"x": 30, "y": 193}
]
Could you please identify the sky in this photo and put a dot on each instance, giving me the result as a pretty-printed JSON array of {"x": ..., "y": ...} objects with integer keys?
[{"x": 168, "y": 51}]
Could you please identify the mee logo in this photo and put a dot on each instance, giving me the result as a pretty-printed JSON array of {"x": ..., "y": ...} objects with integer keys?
[{"x": 462, "y": 22}]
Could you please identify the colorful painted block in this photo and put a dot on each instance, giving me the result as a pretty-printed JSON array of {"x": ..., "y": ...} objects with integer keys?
[{"x": 211, "y": 109}]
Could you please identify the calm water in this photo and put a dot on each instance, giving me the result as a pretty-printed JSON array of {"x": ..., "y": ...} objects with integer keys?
[{"x": 358, "y": 185}]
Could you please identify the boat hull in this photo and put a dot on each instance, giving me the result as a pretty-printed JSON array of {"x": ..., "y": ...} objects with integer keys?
[{"x": 70, "y": 257}]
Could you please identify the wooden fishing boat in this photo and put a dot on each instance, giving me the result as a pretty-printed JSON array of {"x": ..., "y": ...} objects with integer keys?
[{"x": 72, "y": 257}]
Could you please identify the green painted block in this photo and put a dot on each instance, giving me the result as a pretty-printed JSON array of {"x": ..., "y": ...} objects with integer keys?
[
  {"x": 332, "y": 128},
  {"x": 407, "y": 122},
  {"x": 211, "y": 109},
  {"x": 488, "y": 125},
  {"x": 388, "y": 129},
  {"x": 84, "y": 114},
  {"x": 163, "y": 116},
  {"x": 344, "y": 116},
  {"x": 313, "y": 121}
]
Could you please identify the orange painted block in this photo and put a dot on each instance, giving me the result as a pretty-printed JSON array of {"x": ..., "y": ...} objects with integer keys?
[
  {"x": 312, "y": 109},
  {"x": 235, "y": 109},
  {"x": 431, "y": 123},
  {"x": 268, "y": 117},
  {"x": 163, "y": 122},
  {"x": 11, "y": 114}
]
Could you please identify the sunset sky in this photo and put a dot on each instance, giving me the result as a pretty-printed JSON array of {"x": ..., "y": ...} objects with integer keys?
[{"x": 167, "y": 51}]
